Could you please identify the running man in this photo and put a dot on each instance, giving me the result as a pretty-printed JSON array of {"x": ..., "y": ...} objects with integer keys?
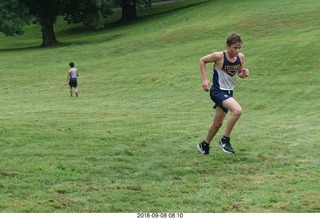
[{"x": 228, "y": 65}]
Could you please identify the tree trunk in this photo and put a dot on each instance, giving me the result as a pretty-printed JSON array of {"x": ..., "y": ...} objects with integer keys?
[
  {"x": 129, "y": 11},
  {"x": 48, "y": 35},
  {"x": 46, "y": 19}
]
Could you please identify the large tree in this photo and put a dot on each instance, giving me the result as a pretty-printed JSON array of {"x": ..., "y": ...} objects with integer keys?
[
  {"x": 129, "y": 8},
  {"x": 45, "y": 12},
  {"x": 17, "y": 13}
]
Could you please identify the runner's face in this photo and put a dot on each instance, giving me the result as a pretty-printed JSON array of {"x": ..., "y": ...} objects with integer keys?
[{"x": 234, "y": 49}]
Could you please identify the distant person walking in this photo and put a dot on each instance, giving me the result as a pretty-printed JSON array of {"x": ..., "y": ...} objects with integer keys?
[
  {"x": 73, "y": 74},
  {"x": 228, "y": 65}
]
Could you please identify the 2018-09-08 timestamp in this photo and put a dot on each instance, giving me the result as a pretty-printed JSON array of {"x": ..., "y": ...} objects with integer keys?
[{"x": 160, "y": 215}]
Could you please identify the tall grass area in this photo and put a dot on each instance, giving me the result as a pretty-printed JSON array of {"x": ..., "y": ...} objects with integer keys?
[{"x": 128, "y": 142}]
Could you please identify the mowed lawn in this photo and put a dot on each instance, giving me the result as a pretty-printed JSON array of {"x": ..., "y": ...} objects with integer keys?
[{"x": 128, "y": 142}]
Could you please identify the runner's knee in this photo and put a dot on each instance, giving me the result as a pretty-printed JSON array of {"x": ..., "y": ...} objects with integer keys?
[{"x": 237, "y": 112}]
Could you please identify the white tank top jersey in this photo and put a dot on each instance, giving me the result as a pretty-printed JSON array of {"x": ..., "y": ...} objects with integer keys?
[
  {"x": 74, "y": 72},
  {"x": 225, "y": 78}
]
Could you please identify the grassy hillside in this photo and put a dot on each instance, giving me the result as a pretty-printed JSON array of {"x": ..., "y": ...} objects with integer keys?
[{"x": 128, "y": 142}]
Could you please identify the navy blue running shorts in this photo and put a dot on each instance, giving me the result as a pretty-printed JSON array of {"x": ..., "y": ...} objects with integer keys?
[
  {"x": 218, "y": 96},
  {"x": 73, "y": 82}
]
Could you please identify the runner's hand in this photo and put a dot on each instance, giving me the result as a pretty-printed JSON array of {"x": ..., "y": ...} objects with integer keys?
[{"x": 206, "y": 85}]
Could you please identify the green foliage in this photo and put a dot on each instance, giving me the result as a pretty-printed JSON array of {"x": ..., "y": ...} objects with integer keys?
[
  {"x": 16, "y": 14},
  {"x": 91, "y": 13},
  {"x": 44, "y": 11},
  {"x": 128, "y": 143},
  {"x": 13, "y": 17}
]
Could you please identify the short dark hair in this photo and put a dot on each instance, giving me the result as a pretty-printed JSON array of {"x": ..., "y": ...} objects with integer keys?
[
  {"x": 234, "y": 38},
  {"x": 71, "y": 64}
]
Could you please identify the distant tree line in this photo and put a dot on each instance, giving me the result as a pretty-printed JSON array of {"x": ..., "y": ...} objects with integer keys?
[{"x": 15, "y": 14}]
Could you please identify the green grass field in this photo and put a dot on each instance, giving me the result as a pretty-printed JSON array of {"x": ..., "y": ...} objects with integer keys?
[{"x": 128, "y": 142}]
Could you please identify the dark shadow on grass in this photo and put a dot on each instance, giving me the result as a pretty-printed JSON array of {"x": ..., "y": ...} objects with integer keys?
[
  {"x": 19, "y": 49},
  {"x": 38, "y": 47},
  {"x": 28, "y": 48}
]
